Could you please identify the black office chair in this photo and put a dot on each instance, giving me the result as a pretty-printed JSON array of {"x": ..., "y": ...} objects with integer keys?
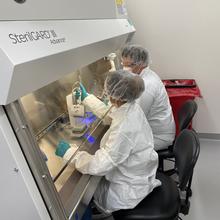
[
  {"x": 185, "y": 116},
  {"x": 164, "y": 202}
]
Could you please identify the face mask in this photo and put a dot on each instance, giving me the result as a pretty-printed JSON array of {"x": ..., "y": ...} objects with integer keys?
[
  {"x": 130, "y": 70},
  {"x": 127, "y": 68}
]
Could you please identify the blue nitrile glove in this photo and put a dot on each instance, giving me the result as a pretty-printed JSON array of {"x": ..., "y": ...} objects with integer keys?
[
  {"x": 84, "y": 93},
  {"x": 62, "y": 147}
]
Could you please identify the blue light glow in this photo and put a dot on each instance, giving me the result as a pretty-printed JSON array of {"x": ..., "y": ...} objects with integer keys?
[
  {"x": 90, "y": 139},
  {"x": 89, "y": 119}
]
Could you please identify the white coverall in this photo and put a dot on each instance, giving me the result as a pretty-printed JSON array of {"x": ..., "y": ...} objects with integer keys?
[
  {"x": 126, "y": 158},
  {"x": 155, "y": 103}
]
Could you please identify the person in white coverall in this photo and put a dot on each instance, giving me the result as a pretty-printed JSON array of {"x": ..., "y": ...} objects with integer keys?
[
  {"x": 126, "y": 157},
  {"x": 154, "y": 101}
]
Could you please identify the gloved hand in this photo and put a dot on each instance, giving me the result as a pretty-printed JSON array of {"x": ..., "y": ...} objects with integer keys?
[
  {"x": 84, "y": 93},
  {"x": 62, "y": 147},
  {"x": 106, "y": 101},
  {"x": 69, "y": 153}
]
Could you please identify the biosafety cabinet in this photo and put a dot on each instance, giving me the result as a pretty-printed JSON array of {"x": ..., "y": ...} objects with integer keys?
[{"x": 46, "y": 48}]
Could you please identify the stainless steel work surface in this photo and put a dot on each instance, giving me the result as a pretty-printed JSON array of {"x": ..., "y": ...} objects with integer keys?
[
  {"x": 70, "y": 184},
  {"x": 61, "y": 130}
]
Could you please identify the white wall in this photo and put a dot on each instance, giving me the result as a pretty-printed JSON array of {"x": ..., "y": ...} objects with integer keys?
[{"x": 183, "y": 37}]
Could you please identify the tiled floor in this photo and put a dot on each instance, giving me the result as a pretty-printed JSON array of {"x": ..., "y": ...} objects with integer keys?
[{"x": 205, "y": 202}]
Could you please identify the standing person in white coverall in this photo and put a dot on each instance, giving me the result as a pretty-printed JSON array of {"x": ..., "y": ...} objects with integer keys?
[
  {"x": 154, "y": 101},
  {"x": 126, "y": 157}
]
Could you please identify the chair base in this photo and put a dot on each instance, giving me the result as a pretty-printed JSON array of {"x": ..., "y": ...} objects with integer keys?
[{"x": 184, "y": 209}]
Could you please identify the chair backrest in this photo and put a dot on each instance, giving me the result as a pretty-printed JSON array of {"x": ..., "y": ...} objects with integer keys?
[
  {"x": 186, "y": 150},
  {"x": 186, "y": 113}
]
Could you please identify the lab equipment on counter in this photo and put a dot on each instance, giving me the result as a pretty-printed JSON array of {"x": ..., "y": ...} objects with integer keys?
[{"x": 76, "y": 111}]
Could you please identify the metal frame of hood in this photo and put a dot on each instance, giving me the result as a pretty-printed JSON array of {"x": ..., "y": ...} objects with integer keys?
[{"x": 25, "y": 136}]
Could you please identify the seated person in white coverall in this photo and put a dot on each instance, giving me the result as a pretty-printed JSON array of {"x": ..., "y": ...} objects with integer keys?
[
  {"x": 154, "y": 101},
  {"x": 126, "y": 157}
]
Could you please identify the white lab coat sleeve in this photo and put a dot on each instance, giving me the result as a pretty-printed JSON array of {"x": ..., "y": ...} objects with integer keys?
[
  {"x": 115, "y": 151},
  {"x": 69, "y": 153},
  {"x": 97, "y": 107},
  {"x": 146, "y": 101}
]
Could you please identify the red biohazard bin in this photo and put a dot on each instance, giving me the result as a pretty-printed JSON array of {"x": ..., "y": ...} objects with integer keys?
[{"x": 179, "y": 91}]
